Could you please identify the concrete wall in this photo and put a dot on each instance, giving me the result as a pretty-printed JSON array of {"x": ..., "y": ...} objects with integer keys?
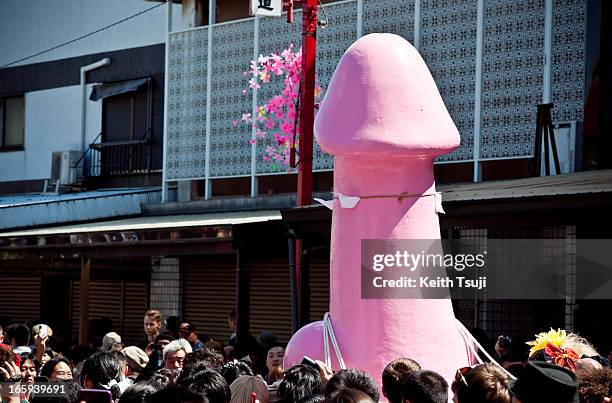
[
  {"x": 34, "y": 25},
  {"x": 52, "y": 123},
  {"x": 52, "y": 116}
]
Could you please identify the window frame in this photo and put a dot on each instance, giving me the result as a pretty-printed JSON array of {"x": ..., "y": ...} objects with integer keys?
[{"x": 3, "y": 146}]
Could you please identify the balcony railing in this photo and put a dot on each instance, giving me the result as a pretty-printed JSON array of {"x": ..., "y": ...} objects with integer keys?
[{"x": 123, "y": 157}]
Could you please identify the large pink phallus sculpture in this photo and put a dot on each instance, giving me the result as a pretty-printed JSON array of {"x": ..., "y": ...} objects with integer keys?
[{"x": 384, "y": 121}]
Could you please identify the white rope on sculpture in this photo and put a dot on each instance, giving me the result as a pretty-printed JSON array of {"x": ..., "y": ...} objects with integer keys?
[
  {"x": 328, "y": 331},
  {"x": 466, "y": 334}
]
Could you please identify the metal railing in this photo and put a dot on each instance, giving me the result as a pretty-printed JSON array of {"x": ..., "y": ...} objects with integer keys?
[{"x": 116, "y": 158}]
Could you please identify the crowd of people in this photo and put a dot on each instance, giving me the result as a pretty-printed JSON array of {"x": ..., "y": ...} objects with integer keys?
[{"x": 184, "y": 365}]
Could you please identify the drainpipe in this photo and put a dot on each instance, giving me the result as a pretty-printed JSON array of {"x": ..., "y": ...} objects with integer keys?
[{"x": 84, "y": 70}]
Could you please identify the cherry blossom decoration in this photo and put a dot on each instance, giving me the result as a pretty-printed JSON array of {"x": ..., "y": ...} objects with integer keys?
[{"x": 278, "y": 118}]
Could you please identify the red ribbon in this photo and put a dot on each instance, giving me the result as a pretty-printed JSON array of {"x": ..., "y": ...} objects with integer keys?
[{"x": 563, "y": 357}]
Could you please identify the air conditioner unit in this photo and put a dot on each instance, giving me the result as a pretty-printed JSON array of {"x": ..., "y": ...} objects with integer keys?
[{"x": 64, "y": 166}]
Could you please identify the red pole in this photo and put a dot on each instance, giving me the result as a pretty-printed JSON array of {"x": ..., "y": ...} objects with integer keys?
[{"x": 309, "y": 55}]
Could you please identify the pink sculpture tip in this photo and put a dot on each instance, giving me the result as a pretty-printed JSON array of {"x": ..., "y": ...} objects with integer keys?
[{"x": 382, "y": 100}]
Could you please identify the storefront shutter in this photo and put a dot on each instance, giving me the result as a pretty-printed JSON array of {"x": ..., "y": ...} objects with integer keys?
[
  {"x": 271, "y": 298},
  {"x": 123, "y": 302},
  {"x": 319, "y": 289},
  {"x": 209, "y": 293},
  {"x": 20, "y": 299}
]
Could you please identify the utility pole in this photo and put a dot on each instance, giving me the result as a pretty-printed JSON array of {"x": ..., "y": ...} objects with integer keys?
[
  {"x": 307, "y": 86},
  {"x": 306, "y": 114}
]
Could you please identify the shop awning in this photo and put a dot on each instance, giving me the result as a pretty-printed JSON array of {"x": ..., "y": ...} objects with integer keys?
[
  {"x": 153, "y": 222},
  {"x": 102, "y": 91}
]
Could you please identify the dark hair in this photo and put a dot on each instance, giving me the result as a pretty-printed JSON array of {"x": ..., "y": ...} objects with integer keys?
[
  {"x": 314, "y": 399},
  {"x": 348, "y": 395},
  {"x": 233, "y": 370},
  {"x": 31, "y": 357},
  {"x": 138, "y": 392},
  {"x": 425, "y": 387},
  {"x": 6, "y": 355},
  {"x": 232, "y": 315},
  {"x": 300, "y": 382},
  {"x": 352, "y": 379},
  {"x": 71, "y": 389},
  {"x": 49, "y": 352},
  {"x": 394, "y": 375},
  {"x": 200, "y": 360},
  {"x": 175, "y": 394},
  {"x": 595, "y": 384},
  {"x": 483, "y": 383},
  {"x": 121, "y": 357},
  {"x": 100, "y": 369},
  {"x": 49, "y": 366},
  {"x": 19, "y": 332},
  {"x": 163, "y": 378},
  {"x": 209, "y": 383}
]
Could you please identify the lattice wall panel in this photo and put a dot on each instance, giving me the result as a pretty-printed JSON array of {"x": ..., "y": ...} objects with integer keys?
[
  {"x": 333, "y": 41},
  {"x": 512, "y": 76},
  {"x": 393, "y": 16},
  {"x": 569, "y": 36},
  {"x": 448, "y": 46},
  {"x": 275, "y": 35},
  {"x": 230, "y": 153},
  {"x": 187, "y": 104}
]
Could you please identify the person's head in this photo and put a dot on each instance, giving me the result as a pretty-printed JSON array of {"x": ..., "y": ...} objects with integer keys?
[
  {"x": 102, "y": 371},
  {"x": 544, "y": 382},
  {"x": 425, "y": 387},
  {"x": 352, "y": 379},
  {"x": 28, "y": 367},
  {"x": 111, "y": 341},
  {"x": 175, "y": 352},
  {"x": 232, "y": 370},
  {"x": 163, "y": 378},
  {"x": 57, "y": 369},
  {"x": 138, "y": 392},
  {"x": 152, "y": 322},
  {"x": 209, "y": 383},
  {"x": 595, "y": 385},
  {"x": 394, "y": 375},
  {"x": 483, "y": 383},
  {"x": 123, "y": 364},
  {"x": 300, "y": 381},
  {"x": 204, "y": 358},
  {"x": 348, "y": 395},
  {"x": 136, "y": 359},
  {"x": 7, "y": 355},
  {"x": 47, "y": 355},
  {"x": 314, "y": 399},
  {"x": 161, "y": 342},
  {"x": 243, "y": 387},
  {"x": 174, "y": 394},
  {"x": 18, "y": 335},
  {"x": 189, "y": 332},
  {"x": 216, "y": 346},
  {"x": 69, "y": 388},
  {"x": 173, "y": 323},
  {"x": 275, "y": 357},
  {"x": 231, "y": 320}
]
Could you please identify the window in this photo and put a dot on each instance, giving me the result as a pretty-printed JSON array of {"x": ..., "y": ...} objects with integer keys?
[{"x": 11, "y": 123}]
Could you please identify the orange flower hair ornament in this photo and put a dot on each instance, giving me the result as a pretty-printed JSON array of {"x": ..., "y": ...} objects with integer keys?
[{"x": 563, "y": 357}]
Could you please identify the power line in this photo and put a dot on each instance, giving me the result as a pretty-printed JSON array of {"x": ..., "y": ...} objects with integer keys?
[{"x": 84, "y": 36}]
